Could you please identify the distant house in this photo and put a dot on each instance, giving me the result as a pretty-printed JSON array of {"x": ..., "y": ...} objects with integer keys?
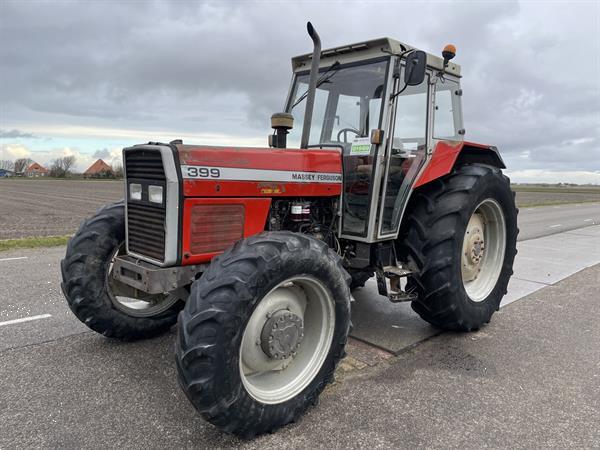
[
  {"x": 99, "y": 170},
  {"x": 6, "y": 173},
  {"x": 35, "y": 170}
]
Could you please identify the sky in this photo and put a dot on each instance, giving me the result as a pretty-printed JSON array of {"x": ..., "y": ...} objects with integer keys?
[{"x": 87, "y": 78}]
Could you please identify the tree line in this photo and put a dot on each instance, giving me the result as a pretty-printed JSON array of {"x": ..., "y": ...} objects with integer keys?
[{"x": 60, "y": 168}]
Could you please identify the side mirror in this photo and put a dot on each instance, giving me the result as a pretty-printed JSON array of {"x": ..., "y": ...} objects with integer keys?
[{"x": 416, "y": 63}]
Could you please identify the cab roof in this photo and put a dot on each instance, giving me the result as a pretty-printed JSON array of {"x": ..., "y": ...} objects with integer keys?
[{"x": 367, "y": 50}]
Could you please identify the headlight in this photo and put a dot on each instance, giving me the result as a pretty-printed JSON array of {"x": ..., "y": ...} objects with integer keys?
[
  {"x": 135, "y": 191},
  {"x": 155, "y": 194}
]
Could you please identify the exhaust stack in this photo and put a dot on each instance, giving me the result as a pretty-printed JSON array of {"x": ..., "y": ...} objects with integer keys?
[{"x": 312, "y": 84}]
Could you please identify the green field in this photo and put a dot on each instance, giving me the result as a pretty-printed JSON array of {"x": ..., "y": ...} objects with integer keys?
[{"x": 542, "y": 195}]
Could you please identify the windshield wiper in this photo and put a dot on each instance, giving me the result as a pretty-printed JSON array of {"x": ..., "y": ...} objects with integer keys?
[{"x": 324, "y": 78}]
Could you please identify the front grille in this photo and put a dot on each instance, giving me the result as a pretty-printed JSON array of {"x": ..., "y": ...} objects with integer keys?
[
  {"x": 145, "y": 220},
  {"x": 215, "y": 227}
]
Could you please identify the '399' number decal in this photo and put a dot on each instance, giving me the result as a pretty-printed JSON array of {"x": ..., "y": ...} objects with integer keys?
[{"x": 203, "y": 172}]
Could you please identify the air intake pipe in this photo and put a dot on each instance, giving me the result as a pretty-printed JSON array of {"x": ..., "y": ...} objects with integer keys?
[{"x": 312, "y": 84}]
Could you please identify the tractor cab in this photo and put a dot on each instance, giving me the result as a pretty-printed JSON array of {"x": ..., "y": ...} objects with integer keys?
[{"x": 384, "y": 124}]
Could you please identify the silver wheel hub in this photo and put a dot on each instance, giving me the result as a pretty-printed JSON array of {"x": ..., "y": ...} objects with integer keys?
[
  {"x": 473, "y": 247},
  {"x": 287, "y": 339},
  {"x": 282, "y": 334},
  {"x": 483, "y": 249}
]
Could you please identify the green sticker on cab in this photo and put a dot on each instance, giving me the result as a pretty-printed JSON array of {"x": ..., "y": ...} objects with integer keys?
[{"x": 361, "y": 146}]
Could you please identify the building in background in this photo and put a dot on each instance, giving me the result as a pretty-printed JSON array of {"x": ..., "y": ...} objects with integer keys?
[
  {"x": 35, "y": 170},
  {"x": 6, "y": 173},
  {"x": 99, "y": 170}
]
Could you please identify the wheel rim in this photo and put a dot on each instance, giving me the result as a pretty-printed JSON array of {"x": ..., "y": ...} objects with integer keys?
[
  {"x": 483, "y": 250},
  {"x": 287, "y": 339},
  {"x": 134, "y": 302}
]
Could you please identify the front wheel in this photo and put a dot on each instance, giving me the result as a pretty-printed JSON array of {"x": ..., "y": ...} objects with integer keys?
[
  {"x": 263, "y": 331},
  {"x": 104, "y": 304},
  {"x": 460, "y": 237}
]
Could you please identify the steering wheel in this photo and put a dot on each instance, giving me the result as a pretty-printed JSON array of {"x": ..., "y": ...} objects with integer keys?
[{"x": 345, "y": 131}]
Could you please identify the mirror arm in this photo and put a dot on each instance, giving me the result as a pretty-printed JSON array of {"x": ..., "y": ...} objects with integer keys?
[
  {"x": 397, "y": 74},
  {"x": 393, "y": 96}
]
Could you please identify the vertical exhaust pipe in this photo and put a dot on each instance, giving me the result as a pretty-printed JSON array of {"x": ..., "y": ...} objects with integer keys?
[{"x": 312, "y": 84}]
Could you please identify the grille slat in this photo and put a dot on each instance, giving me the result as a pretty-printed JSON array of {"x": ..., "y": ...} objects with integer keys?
[
  {"x": 145, "y": 222},
  {"x": 144, "y": 164}
]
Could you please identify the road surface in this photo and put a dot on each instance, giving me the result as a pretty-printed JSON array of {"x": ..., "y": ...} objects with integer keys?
[
  {"x": 546, "y": 220},
  {"x": 63, "y": 386}
]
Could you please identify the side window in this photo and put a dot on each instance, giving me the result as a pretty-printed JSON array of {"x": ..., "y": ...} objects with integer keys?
[
  {"x": 445, "y": 124},
  {"x": 411, "y": 117}
]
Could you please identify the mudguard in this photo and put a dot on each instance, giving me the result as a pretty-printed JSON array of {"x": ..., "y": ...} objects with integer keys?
[{"x": 447, "y": 154}]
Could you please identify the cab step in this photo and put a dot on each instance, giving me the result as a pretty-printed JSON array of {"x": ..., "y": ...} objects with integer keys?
[{"x": 394, "y": 292}]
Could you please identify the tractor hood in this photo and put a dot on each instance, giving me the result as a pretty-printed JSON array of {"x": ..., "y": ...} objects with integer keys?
[{"x": 209, "y": 171}]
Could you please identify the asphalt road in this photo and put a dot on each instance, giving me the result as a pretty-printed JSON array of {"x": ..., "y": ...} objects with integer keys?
[
  {"x": 63, "y": 386},
  {"x": 546, "y": 220},
  {"x": 528, "y": 380},
  {"x": 36, "y": 292}
]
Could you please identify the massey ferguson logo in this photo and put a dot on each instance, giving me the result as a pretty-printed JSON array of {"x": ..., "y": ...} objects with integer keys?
[
  {"x": 263, "y": 175},
  {"x": 317, "y": 177}
]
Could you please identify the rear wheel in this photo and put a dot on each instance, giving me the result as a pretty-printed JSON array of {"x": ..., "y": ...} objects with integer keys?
[
  {"x": 104, "y": 304},
  {"x": 460, "y": 237},
  {"x": 262, "y": 332}
]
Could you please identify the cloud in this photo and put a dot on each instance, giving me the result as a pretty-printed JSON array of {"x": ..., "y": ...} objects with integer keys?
[
  {"x": 551, "y": 177},
  {"x": 113, "y": 157},
  {"x": 14, "y": 151},
  {"x": 101, "y": 154},
  {"x": 213, "y": 72},
  {"x": 15, "y": 134}
]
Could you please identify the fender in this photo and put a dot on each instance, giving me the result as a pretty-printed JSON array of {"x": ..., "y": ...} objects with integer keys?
[{"x": 447, "y": 154}]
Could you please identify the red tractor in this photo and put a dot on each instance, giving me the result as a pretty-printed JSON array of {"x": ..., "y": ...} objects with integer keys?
[{"x": 254, "y": 251}]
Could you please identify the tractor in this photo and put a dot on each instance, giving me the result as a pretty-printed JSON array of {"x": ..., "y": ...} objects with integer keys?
[{"x": 254, "y": 252}]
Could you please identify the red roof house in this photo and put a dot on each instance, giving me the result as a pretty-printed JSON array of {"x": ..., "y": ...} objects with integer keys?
[
  {"x": 98, "y": 169},
  {"x": 35, "y": 170}
]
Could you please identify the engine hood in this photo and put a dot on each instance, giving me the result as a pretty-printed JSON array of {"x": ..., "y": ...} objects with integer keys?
[{"x": 209, "y": 171}]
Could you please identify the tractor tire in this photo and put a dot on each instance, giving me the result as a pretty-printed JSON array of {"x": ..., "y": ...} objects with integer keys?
[
  {"x": 359, "y": 277},
  {"x": 237, "y": 371},
  {"x": 86, "y": 285},
  {"x": 454, "y": 239}
]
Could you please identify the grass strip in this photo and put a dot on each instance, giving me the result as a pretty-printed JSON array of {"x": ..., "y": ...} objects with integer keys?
[
  {"x": 33, "y": 242},
  {"x": 537, "y": 204}
]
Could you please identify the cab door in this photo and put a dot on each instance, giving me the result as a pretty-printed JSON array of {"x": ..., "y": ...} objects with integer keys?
[{"x": 408, "y": 148}]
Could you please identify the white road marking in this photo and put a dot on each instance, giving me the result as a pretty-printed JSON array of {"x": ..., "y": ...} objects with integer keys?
[
  {"x": 13, "y": 259},
  {"x": 587, "y": 220},
  {"x": 25, "y": 319},
  {"x": 557, "y": 225}
]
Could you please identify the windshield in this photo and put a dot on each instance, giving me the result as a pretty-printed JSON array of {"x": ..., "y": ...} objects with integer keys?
[{"x": 347, "y": 103}]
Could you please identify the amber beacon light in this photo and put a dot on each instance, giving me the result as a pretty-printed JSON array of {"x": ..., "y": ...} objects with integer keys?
[{"x": 448, "y": 53}]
